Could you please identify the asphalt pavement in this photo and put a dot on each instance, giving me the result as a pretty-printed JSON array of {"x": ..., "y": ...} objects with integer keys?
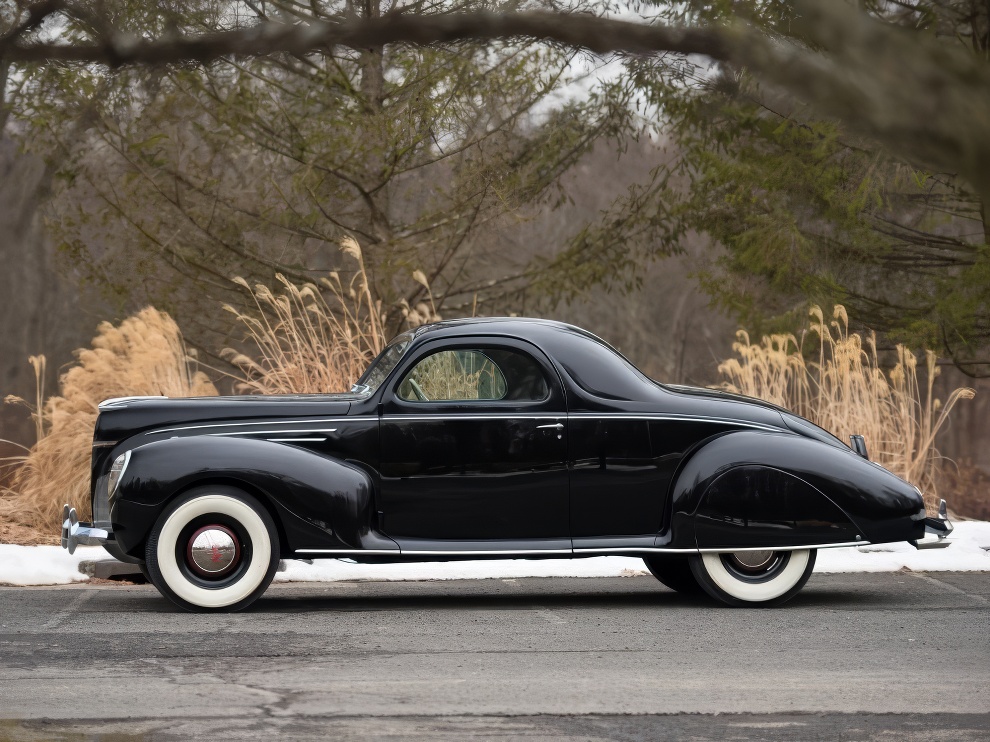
[{"x": 859, "y": 657}]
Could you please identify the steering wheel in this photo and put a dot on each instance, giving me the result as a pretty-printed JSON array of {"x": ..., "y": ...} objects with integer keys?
[{"x": 417, "y": 391}]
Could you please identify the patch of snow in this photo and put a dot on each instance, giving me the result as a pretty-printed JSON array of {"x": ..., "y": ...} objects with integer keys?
[
  {"x": 331, "y": 570},
  {"x": 52, "y": 565},
  {"x": 968, "y": 552},
  {"x": 44, "y": 565}
]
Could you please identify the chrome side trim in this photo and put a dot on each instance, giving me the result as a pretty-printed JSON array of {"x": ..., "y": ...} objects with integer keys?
[
  {"x": 594, "y": 550},
  {"x": 396, "y": 552},
  {"x": 497, "y": 552},
  {"x": 586, "y": 416},
  {"x": 674, "y": 418},
  {"x": 473, "y": 416},
  {"x": 662, "y": 550},
  {"x": 785, "y": 548},
  {"x": 315, "y": 421},
  {"x": 488, "y": 416},
  {"x": 116, "y": 401},
  {"x": 273, "y": 432},
  {"x": 296, "y": 440},
  {"x": 632, "y": 550},
  {"x": 348, "y": 552}
]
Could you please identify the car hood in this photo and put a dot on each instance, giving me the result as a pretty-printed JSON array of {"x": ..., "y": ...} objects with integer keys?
[{"x": 125, "y": 416}]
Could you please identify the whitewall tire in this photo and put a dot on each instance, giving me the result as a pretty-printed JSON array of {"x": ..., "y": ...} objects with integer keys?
[
  {"x": 753, "y": 578},
  {"x": 214, "y": 548}
]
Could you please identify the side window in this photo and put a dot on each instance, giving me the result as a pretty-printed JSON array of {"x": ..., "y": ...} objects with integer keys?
[{"x": 481, "y": 375}]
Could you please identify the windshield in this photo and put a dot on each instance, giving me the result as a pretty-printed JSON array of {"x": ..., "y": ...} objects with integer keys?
[{"x": 382, "y": 366}]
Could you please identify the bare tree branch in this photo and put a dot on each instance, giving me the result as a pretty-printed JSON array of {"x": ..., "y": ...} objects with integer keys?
[
  {"x": 37, "y": 14},
  {"x": 909, "y": 93},
  {"x": 271, "y": 37}
]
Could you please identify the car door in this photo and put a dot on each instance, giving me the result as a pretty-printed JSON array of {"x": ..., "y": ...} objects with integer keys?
[{"x": 473, "y": 449}]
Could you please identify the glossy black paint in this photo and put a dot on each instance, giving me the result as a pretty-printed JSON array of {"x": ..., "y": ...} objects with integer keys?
[
  {"x": 320, "y": 502},
  {"x": 608, "y": 462},
  {"x": 789, "y": 488},
  {"x": 478, "y": 470}
]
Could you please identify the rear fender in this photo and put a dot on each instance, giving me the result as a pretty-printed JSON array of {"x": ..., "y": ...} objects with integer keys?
[{"x": 751, "y": 489}]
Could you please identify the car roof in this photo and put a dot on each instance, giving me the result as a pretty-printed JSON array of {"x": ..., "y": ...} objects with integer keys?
[{"x": 523, "y": 327}]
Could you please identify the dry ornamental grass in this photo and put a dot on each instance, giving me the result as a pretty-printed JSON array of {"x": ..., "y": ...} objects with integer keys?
[
  {"x": 305, "y": 346},
  {"x": 144, "y": 355},
  {"x": 845, "y": 391}
]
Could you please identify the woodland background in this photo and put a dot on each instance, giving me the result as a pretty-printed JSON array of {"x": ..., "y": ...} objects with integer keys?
[{"x": 660, "y": 200}]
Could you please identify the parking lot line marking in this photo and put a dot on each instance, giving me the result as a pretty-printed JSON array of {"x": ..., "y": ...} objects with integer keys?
[
  {"x": 947, "y": 586},
  {"x": 549, "y": 615},
  {"x": 71, "y": 607}
]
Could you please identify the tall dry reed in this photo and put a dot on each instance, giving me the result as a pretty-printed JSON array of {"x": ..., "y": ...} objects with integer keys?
[
  {"x": 846, "y": 391},
  {"x": 144, "y": 355},
  {"x": 313, "y": 339}
]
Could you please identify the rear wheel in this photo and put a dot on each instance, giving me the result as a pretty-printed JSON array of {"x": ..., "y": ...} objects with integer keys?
[
  {"x": 674, "y": 571},
  {"x": 753, "y": 578},
  {"x": 214, "y": 548}
]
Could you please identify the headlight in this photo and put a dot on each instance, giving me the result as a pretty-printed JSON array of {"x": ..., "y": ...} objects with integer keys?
[{"x": 117, "y": 471}]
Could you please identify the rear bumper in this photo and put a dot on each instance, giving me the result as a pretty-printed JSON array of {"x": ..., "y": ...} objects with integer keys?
[
  {"x": 75, "y": 533},
  {"x": 936, "y": 530}
]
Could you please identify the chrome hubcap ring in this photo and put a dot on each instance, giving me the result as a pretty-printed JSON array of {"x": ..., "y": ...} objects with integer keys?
[
  {"x": 213, "y": 551},
  {"x": 752, "y": 561},
  {"x": 755, "y": 566}
]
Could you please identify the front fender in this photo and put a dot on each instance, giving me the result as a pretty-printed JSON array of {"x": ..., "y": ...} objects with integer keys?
[
  {"x": 755, "y": 489},
  {"x": 320, "y": 502}
]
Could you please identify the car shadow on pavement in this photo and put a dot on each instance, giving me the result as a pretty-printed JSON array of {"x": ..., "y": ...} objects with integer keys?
[
  {"x": 661, "y": 600},
  {"x": 302, "y": 600},
  {"x": 446, "y": 596}
]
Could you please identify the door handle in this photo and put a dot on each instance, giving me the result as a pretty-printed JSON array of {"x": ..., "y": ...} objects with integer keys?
[{"x": 557, "y": 426}]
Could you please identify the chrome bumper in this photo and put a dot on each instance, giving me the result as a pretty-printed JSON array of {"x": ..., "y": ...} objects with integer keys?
[
  {"x": 75, "y": 533},
  {"x": 936, "y": 530}
]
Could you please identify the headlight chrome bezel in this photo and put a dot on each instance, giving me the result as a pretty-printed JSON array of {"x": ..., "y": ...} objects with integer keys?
[{"x": 117, "y": 473}]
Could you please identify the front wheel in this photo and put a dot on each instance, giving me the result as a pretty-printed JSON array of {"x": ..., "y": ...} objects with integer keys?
[
  {"x": 214, "y": 548},
  {"x": 753, "y": 578}
]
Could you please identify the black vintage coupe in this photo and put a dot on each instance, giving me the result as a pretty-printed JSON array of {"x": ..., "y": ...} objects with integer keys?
[{"x": 485, "y": 438}]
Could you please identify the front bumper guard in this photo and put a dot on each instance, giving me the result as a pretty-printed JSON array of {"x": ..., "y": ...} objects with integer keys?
[
  {"x": 75, "y": 533},
  {"x": 936, "y": 530}
]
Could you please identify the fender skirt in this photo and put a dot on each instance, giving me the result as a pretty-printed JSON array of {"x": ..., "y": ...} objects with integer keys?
[
  {"x": 753, "y": 489},
  {"x": 753, "y": 506}
]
